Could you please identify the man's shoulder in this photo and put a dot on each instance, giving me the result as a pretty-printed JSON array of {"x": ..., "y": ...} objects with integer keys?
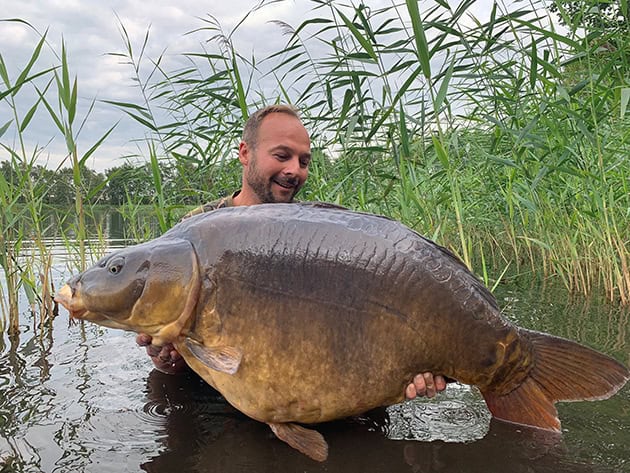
[{"x": 223, "y": 202}]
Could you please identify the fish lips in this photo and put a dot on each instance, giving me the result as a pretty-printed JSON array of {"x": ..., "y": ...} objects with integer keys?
[
  {"x": 69, "y": 298},
  {"x": 66, "y": 297}
]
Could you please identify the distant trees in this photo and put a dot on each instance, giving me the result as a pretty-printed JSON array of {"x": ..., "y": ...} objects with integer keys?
[
  {"x": 54, "y": 187},
  {"x": 127, "y": 183},
  {"x": 591, "y": 15},
  {"x": 57, "y": 187}
]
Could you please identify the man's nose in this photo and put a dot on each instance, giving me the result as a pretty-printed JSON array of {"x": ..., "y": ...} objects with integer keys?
[{"x": 292, "y": 167}]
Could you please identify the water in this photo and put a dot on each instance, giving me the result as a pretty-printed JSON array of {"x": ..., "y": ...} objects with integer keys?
[{"x": 81, "y": 398}]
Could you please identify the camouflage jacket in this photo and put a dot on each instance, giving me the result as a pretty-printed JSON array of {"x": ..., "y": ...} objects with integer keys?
[{"x": 214, "y": 205}]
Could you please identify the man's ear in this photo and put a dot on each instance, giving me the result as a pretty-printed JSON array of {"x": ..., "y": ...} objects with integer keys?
[{"x": 243, "y": 153}]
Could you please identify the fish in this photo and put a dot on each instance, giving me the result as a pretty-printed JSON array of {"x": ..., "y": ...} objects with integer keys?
[{"x": 304, "y": 313}]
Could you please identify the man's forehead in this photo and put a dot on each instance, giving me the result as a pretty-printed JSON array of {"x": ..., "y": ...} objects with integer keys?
[{"x": 288, "y": 132}]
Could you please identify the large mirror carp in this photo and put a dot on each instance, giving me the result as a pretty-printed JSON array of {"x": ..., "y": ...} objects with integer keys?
[{"x": 305, "y": 313}]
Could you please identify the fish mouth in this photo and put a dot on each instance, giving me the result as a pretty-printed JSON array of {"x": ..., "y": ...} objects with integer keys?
[
  {"x": 70, "y": 297},
  {"x": 66, "y": 297}
]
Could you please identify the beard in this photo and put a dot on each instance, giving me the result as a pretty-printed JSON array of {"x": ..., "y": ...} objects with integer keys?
[{"x": 262, "y": 186}]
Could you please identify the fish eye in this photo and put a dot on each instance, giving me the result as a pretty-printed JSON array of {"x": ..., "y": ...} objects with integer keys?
[{"x": 115, "y": 266}]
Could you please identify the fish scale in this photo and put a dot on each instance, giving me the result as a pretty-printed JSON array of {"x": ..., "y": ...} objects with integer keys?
[{"x": 329, "y": 313}]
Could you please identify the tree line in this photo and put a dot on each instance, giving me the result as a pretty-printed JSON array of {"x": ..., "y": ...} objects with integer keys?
[{"x": 127, "y": 183}]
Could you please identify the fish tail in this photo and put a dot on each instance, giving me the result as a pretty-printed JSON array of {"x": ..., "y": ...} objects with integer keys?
[{"x": 563, "y": 371}]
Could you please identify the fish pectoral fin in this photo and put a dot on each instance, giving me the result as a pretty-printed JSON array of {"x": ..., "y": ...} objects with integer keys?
[
  {"x": 307, "y": 441},
  {"x": 224, "y": 358}
]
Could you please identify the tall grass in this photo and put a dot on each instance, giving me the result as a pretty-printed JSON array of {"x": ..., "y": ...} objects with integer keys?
[
  {"x": 500, "y": 134},
  {"x": 22, "y": 194},
  {"x": 504, "y": 135}
]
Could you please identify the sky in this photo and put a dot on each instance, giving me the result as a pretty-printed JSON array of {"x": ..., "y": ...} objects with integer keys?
[{"x": 91, "y": 30}]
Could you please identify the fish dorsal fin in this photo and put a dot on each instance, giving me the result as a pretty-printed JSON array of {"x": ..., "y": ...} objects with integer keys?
[
  {"x": 225, "y": 359},
  {"x": 310, "y": 442}
]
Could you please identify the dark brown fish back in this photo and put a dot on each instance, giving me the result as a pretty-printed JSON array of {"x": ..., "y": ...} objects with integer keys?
[{"x": 376, "y": 258}]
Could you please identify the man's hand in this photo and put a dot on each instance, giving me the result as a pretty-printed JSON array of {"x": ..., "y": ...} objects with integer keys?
[
  {"x": 166, "y": 359},
  {"x": 425, "y": 384}
]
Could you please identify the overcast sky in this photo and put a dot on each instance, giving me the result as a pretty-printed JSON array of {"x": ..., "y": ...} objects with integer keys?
[{"x": 91, "y": 30}]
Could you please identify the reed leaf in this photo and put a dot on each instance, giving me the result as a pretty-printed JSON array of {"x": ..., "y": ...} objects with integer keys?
[
  {"x": 422, "y": 47},
  {"x": 5, "y": 127},
  {"x": 363, "y": 41},
  {"x": 623, "y": 102}
]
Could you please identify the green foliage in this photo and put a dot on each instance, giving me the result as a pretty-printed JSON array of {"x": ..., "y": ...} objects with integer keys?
[
  {"x": 596, "y": 15},
  {"x": 504, "y": 138},
  {"x": 129, "y": 180}
]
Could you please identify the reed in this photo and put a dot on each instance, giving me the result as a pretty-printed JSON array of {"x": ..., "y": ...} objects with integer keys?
[
  {"x": 503, "y": 137},
  {"x": 23, "y": 191},
  {"x": 12, "y": 232}
]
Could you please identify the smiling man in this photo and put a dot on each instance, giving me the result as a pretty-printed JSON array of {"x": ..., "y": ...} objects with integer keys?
[{"x": 275, "y": 152}]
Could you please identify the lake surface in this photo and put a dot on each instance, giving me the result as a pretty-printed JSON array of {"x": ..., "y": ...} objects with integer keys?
[{"x": 81, "y": 398}]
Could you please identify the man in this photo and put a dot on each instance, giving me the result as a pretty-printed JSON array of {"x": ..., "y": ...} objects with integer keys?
[{"x": 275, "y": 153}]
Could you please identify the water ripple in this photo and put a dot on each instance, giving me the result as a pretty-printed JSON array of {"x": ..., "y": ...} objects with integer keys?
[
  {"x": 85, "y": 399},
  {"x": 459, "y": 414}
]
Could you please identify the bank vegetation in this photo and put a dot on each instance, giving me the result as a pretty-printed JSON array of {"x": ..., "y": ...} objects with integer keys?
[{"x": 505, "y": 138}]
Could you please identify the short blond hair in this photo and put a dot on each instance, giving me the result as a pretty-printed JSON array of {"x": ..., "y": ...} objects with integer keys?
[{"x": 250, "y": 131}]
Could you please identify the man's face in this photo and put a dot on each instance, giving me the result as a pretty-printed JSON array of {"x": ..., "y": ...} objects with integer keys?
[{"x": 278, "y": 167}]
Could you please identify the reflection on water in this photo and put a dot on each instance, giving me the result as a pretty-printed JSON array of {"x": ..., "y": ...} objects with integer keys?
[
  {"x": 83, "y": 398},
  {"x": 458, "y": 415}
]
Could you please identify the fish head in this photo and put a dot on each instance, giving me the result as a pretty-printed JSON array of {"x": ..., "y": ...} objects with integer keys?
[{"x": 150, "y": 288}]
